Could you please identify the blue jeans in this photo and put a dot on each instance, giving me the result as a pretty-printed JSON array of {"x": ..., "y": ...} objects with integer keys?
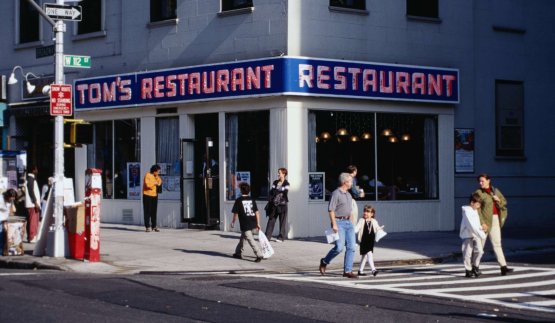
[{"x": 347, "y": 239}]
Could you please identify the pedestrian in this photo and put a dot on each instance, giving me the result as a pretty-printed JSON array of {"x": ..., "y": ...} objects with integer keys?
[
  {"x": 152, "y": 185},
  {"x": 473, "y": 237},
  {"x": 366, "y": 229},
  {"x": 277, "y": 205},
  {"x": 356, "y": 192},
  {"x": 246, "y": 211},
  {"x": 339, "y": 208},
  {"x": 493, "y": 213},
  {"x": 32, "y": 204},
  {"x": 7, "y": 208}
]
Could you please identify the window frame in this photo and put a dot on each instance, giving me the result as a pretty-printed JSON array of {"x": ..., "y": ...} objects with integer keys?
[
  {"x": 358, "y": 5},
  {"x": 425, "y": 14},
  {"x": 228, "y": 5},
  {"x": 95, "y": 33},
  {"x": 160, "y": 6},
  {"x": 19, "y": 22},
  {"x": 500, "y": 111}
]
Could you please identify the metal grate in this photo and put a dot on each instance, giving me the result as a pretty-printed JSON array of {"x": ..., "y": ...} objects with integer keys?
[{"x": 127, "y": 216}]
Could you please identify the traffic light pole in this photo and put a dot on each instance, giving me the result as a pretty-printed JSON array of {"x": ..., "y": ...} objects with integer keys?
[{"x": 56, "y": 234}]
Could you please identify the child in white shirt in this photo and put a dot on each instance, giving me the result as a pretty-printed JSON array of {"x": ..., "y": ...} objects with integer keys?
[{"x": 473, "y": 235}]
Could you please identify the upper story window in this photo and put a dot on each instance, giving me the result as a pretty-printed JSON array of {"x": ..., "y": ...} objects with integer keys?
[
  {"x": 161, "y": 10},
  {"x": 509, "y": 115},
  {"x": 236, "y": 4},
  {"x": 29, "y": 30},
  {"x": 351, "y": 4},
  {"x": 92, "y": 17},
  {"x": 423, "y": 8}
]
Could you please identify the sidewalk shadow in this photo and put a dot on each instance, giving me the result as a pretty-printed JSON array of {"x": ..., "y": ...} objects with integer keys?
[
  {"x": 124, "y": 229},
  {"x": 206, "y": 252}
]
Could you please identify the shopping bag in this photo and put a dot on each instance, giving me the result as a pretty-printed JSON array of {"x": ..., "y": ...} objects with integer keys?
[
  {"x": 331, "y": 235},
  {"x": 380, "y": 234},
  {"x": 267, "y": 250}
]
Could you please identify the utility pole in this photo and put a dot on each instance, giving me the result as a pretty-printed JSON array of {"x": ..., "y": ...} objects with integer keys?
[{"x": 56, "y": 235}]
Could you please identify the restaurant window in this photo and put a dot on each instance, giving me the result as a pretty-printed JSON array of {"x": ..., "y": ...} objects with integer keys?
[
  {"x": 247, "y": 153},
  {"x": 423, "y": 8},
  {"x": 236, "y": 4},
  {"x": 396, "y": 154},
  {"x": 509, "y": 115},
  {"x": 167, "y": 156},
  {"x": 116, "y": 151},
  {"x": 351, "y": 4},
  {"x": 29, "y": 30},
  {"x": 161, "y": 10},
  {"x": 92, "y": 17}
]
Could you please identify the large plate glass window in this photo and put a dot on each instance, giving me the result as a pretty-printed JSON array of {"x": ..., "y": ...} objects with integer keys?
[
  {"x": 247, "y": 152},
  {"x": 167, "y": 156},
  {"x": 396, "y": 154}
]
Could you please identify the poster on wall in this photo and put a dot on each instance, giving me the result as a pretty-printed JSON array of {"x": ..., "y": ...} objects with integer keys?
[
  {"x": 171, "y": 185},
  {"x": 464, "y": 150},
  {"x": 241, "y": 177},
  {"x": 316, "y": 188},
  {"x": 134, "y": 187}
]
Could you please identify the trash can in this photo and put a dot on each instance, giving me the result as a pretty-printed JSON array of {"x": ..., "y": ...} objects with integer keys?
[
  {"x": 13, "y": 234},
  {"x": 75, "y": 223}
]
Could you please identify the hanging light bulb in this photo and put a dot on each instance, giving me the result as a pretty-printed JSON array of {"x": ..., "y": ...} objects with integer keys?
[
  {"x": 387, "y": 132},
  {"x": 366, "y": 136},
  {"x": 325, "y": 135},
  {"x": 405, "y": 137},
  {"x": 354, "y": 138},
  {"x": 392, "y": 139},
  {"x": 342, "y": 132},
  {"x": 317, "y": 139}
]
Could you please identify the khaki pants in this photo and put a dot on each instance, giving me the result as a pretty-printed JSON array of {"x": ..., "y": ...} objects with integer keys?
[
  {"x": 472, "y": 250},
  {"x": 495, "y": 239}
]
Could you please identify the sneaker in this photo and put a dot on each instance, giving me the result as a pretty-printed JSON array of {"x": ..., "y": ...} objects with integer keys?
[
  {"x": 279, "y": 240},
  {"x": 374, "y": 272},
  {"x": 147, "y": 229},
  {"x": 156, "y": 230},
  {"x": 476, "y": 271},
  {"x": 258, "y": 259},
  {"x": 322, "y": 267},
  {"x": 237, "y": 256},
  {"x": 361, "y": 273},
  {"x": 468, "y": 273}
]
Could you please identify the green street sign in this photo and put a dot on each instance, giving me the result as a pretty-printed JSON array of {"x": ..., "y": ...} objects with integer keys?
[{"x": 77, "y": 61}]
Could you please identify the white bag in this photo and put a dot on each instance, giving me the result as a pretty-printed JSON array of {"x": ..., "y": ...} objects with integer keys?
[
  {"x": 331, "y": 235},
  {"x": 267, "y": 250},
  {"x": 380, "y": 234}
]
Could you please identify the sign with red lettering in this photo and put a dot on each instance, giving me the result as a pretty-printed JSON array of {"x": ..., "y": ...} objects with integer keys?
[
  {"x": 271, "y": 77},
  {"x": 61, "y": 103}
]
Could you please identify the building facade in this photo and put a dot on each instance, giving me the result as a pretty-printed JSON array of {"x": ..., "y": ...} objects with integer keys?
[{"x": 421, "y": 98}]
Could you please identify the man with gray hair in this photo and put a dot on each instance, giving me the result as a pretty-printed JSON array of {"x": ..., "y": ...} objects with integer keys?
[{"x": 339, "y": 210}]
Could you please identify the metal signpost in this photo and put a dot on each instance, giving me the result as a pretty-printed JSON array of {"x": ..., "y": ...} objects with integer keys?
[{"x": 60, "y": 12}]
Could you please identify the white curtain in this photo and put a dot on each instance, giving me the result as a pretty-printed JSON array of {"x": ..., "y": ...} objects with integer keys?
[
  {"x": 430, "y": 158},
  {"x": 167, "y": 144},
  {"x": 231, "y": 137}
]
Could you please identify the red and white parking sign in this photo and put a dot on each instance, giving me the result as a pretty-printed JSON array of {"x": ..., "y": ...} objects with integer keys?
[{"x": 61, "y": 103}]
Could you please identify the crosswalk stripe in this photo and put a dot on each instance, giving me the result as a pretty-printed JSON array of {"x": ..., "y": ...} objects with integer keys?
[
  {"x": 507, "y": 295},
  {"x": 542, "y": 303},
  {"x": 508, "y": 286}
]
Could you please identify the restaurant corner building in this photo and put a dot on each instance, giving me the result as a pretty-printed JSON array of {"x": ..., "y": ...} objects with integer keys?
[{"x": 248, "y": 118}]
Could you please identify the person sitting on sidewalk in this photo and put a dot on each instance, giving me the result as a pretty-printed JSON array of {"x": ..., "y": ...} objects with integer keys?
[
  {"x": 473, "y": 237},
  {"x": 246, "y": 211}
]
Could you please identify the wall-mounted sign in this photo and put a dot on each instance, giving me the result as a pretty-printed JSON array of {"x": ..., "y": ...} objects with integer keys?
[
  {"x": 316, "y": 186},
  {"x": 272, "y": 76},
  {"x": 464, "y": 150}
]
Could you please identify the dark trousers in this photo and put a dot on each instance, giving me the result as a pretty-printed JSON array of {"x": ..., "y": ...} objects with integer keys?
[
  {"x": 281, "y": 213},
  {"x": 150, "y": 205}
]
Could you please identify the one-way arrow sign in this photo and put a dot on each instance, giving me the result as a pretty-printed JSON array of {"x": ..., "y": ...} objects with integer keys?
[{"x": 63, "y": 12}]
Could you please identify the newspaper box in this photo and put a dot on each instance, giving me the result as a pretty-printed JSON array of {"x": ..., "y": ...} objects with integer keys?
[{"x": 75, "y": 223}]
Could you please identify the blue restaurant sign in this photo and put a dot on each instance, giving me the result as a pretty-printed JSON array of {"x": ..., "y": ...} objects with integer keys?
[{"x": 270, "y": 77}]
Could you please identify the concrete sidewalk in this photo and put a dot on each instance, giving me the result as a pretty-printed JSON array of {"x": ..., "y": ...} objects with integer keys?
[{"x": 126, "y": 249}]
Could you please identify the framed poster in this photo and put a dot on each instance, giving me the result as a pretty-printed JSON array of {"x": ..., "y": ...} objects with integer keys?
[
  {"x": 316, "y": 186},
  {"x": 464, "y": 150},
  {"x": 134, "y": 187},
  {"x": 241, "y": 177}
]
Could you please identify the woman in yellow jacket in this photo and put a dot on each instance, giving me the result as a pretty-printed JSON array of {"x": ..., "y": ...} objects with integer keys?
[{"x": 152, "y": 184}]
